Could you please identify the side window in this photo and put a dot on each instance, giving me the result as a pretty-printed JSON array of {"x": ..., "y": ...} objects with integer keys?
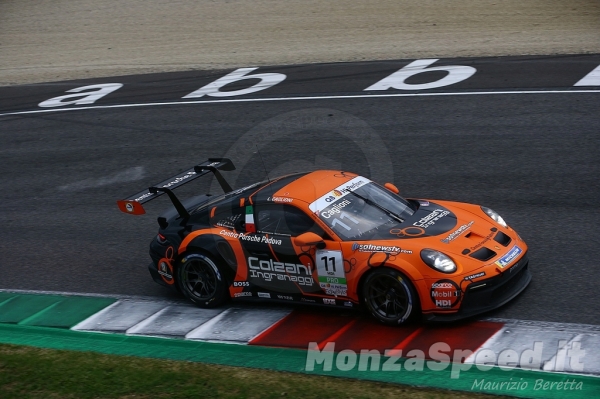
[
  {"x": 284, "y": 220},
  {"x": 227, "y": 216}
]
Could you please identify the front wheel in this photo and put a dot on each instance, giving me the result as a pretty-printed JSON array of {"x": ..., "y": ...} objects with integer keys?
[
  {"x": 201, "y": 281},
  {"x": 389, "y": 296}
]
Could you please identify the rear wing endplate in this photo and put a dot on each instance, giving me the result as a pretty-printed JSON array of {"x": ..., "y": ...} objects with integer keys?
[{"x": 133, "y": 204}]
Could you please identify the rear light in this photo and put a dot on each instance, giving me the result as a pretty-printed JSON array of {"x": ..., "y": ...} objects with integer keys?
[{"x": 161, "y": 239}]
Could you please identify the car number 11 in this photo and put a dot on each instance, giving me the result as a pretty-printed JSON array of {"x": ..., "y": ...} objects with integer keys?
[{"x": 330, "y": 266}]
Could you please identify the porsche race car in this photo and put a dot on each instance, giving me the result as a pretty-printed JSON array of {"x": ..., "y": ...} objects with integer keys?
[{"x": 333, "y": 238}]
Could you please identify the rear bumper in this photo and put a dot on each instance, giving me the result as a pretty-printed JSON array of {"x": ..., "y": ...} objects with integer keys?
[
  {"x": 157, "y": 252},
  {"x": 485, "y": 295},
  {"x": 153, "y": 269}
]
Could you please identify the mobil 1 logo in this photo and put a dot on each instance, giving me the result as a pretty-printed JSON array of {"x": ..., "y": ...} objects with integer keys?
[{"x": 445, "y": 293}]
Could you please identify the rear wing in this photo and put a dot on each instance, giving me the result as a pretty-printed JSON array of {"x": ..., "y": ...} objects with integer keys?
[{"x": 133, "y": 204}]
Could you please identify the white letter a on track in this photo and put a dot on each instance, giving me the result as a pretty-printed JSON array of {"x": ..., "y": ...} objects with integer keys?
[{"x": 84, "y": 95}]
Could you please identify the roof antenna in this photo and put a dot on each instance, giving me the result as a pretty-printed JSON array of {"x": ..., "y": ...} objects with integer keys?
[{"x": 263, "y": 163}]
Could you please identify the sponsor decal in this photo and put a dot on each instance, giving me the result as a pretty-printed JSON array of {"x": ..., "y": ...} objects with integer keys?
[
  {"x": 228, "y": 233},
  {"x": 286, "y": 297},
  {"x": 353, "y": 185},
  {"x": 251, "y": 237},
  {"x": 335, "y": 209},
  {"x": 177, "y": 180},
  {"x": 165, "y": 270},
  {"x": 270, "y": 270},
  {"x": 264, "y": 295},
  {"x": 307, "y": 300},
  {"x": 241, "y": 284},
  {"x": 229, "y": 222},
  {"x": 486, "y": 239},
  {"x": 328, "y": 301},
  {"x": 509, "y": 257},
  {"x": 335, "y": 194},
  {"x": 411, "y": 231},
  {"x": 280, "y": 199},
  {"x": 129, "y": 207},
  {"x": 514, "y": 267},
  {"x": 474, "y": 276},
  {"x": 430, "y": 219},
  {"x": 445, "y": 293},
  {"x": 457, "y": 232},
  {"x": 144, "y": 196},
  {"x": 269, "y": 240},
  {"x": 335, "y": 289},
  {"x": 165, "y": 266},
  {"x": 241, "y": 190},
  {"x": 338, "y": 193},
  {"x": 241, "y": 294},
  {"x": 379, "y": 248},
  {"x": 424, "y": 203}
]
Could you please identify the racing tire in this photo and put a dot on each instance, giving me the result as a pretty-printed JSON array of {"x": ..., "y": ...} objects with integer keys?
[
  {"x": 390, "y": 297},
  {"x": 201, "y": 280}
]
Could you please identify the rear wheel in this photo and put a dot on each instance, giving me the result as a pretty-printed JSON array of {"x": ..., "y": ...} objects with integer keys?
[
  {"x": 201, "y": 281},
  {"x": 390, "y": 297}
]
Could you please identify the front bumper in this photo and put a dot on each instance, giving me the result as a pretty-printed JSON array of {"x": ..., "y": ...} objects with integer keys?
[{"x": 485, "y": 295}]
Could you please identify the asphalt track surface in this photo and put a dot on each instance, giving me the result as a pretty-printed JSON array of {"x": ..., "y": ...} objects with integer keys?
[{"x": 533, "y": 157}]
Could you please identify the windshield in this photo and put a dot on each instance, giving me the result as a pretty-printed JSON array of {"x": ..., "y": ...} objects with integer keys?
[{"x": 366, "y": 213}]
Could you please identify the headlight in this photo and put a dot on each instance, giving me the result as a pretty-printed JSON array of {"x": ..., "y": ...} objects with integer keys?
[
  {"x": 438, "y": 261},
  {"x": 497, "y": 218}
]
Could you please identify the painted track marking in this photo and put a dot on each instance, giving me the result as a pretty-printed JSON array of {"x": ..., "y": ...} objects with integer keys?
[{"x": 273, "y": 99}]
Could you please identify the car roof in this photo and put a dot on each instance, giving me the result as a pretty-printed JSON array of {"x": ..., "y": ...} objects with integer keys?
[{"x": 305, "y": 187}]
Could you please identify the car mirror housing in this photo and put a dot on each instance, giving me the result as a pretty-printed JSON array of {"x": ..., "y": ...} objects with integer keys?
[
  {"x": 392, "y": 188},
  {"x": 309, "y": 239}
]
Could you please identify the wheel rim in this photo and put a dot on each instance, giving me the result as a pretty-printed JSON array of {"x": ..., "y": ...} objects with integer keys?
[
  {"x": 389, "y": 297},
  {"x": 199, "y": 279}
]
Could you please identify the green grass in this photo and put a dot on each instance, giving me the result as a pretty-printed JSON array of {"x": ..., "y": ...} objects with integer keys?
[{"x": 27, "y": 372}]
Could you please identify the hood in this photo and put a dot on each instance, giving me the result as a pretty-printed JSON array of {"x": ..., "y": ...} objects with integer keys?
[
  {"x": 457, "y": 229},
  {"x": 474, "y": 234}
]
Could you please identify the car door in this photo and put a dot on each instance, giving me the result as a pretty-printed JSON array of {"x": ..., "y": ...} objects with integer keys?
[{"x": 313, "y": 272}]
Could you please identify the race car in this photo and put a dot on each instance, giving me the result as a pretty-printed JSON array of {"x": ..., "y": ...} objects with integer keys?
[{"x": 333, "y": 238}]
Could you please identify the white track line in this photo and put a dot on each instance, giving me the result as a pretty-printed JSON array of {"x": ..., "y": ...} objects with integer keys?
[{"x": 272, "y": 99}]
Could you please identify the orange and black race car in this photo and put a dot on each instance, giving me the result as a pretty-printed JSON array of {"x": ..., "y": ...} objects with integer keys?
[{"x": 333, "y": 238}]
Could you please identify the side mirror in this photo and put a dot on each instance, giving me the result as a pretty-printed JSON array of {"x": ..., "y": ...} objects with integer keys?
[
  {"x": 392, "y": 188},
  {"x": 309, "y": 239}
]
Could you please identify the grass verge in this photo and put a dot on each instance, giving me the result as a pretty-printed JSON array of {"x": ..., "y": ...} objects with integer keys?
[{"x": 28, "y": 372}]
